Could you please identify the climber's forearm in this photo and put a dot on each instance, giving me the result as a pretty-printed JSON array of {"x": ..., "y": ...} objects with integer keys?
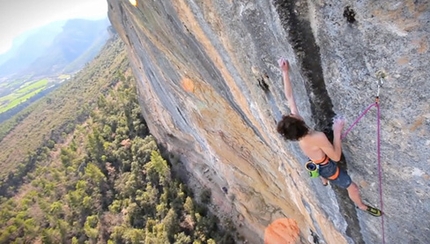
[
  {"x": 337, "y": 145},
  {"x": 289, "y": 93}
]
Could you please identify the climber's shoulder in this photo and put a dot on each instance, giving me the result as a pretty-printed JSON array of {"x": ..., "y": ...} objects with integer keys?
[
  {"x": 314, "y": 134},
  {"x": 316, "y": 137}
]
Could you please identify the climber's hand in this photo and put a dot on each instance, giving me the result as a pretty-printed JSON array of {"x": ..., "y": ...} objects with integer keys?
[
  {"x": 338, "y": 124},
  {"x": 283, "y": 64}
]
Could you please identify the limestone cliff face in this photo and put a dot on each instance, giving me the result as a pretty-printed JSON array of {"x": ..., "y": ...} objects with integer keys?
[{"x": 211, "y": 92}]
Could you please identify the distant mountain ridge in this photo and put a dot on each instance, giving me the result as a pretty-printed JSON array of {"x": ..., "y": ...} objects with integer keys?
[
  {"x": 30, "y": 44},
  {"x": 49, "y": 50}
]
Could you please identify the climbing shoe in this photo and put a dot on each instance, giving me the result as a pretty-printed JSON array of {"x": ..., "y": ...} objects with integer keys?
[{"x": 373, "y": 211}]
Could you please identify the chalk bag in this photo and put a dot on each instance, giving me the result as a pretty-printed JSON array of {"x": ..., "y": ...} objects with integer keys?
[{"x": 312, "y": 169}]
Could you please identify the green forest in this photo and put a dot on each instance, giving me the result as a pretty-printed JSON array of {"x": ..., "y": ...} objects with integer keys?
[{"x": 105, "y": 181}]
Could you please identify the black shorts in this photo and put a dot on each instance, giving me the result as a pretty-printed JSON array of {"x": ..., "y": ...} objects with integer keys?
[{"x": 329, "y": 169}]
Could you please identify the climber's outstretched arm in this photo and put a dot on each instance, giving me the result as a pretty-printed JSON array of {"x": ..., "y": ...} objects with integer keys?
[{"x": 283, "y": 64}]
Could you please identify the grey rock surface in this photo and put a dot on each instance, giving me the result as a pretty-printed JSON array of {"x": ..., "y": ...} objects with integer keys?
[{"x": 211, "y": 92}]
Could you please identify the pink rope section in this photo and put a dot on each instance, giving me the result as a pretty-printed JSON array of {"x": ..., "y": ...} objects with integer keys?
[
  {"x": 380, "y": 169},
  {"x": 376, "y": 104},
  {"x": 358, "y": 119}
]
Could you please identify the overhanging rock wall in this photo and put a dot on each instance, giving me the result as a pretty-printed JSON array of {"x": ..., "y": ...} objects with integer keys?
[{"x": 212, "y": 92}]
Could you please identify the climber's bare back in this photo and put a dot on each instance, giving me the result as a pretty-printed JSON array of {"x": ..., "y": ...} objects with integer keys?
[{"x": 315, "y": 145}]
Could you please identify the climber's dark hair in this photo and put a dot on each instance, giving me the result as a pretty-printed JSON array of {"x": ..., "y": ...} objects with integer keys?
[{"x": 292, "y": 128}]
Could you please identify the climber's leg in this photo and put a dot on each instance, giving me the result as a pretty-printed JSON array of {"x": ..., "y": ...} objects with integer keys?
[
  {"x": 354, "y": 194},
  {"x": 324, "y": 181}
]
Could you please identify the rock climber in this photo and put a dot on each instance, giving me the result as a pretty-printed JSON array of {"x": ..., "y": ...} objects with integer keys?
[{"x": 316, "y": 146}]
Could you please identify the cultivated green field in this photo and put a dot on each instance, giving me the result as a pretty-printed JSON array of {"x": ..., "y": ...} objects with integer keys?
[
  {"x": 21, "y": 93},
  {"x": 64, "y": 76}
]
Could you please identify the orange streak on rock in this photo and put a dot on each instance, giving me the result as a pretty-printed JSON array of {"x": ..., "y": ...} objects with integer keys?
[
  {"x": 187, "y": 84},
  {"x": 186, "y": 15}
]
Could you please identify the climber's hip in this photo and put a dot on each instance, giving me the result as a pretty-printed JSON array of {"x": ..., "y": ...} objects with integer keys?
[{"x": 336, "y": 175}]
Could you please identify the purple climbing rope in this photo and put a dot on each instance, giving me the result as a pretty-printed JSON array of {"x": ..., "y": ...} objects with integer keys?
[
  {"x": 358, "y": 119},
  {"x": 380, "y": 167},
  {"x": 376, "y": 104}
]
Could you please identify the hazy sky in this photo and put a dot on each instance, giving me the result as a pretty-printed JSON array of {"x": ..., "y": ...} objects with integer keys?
[{"x": 17, "y": 16}]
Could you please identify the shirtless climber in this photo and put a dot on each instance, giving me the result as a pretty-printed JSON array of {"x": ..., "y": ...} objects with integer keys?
[{"x": 317, "y": 147}]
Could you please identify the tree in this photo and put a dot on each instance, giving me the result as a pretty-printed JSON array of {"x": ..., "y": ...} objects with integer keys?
[
  {"x": 90, "y": 227},
  {"x": 134, "y": 236},
  {"x": 189, "y": 206},
  {"x": 211, "y": 241},
  {"x": 75, "y": 240},
  {"x": 94, "y": 176},
  {"x": 56, "y": 208},
  {"x": 157, "y": 169},
  {"x": 181, "y": 238},
  {"x": 30, "y": 229},
  {"x": 171, "y": 224},
  {"x": 117, "y": 234}
]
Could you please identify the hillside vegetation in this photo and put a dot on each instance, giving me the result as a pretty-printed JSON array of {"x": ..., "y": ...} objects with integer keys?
[
  {"x": 41, "y": 58},
  {"x": 99, "y": 177},
  {"x": 47, "y": 121}
]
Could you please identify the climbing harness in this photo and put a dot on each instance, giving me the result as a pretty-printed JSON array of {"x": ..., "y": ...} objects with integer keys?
[
  {"x": 314, "y": 166},
  {"x": 380, "y": 76}
]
